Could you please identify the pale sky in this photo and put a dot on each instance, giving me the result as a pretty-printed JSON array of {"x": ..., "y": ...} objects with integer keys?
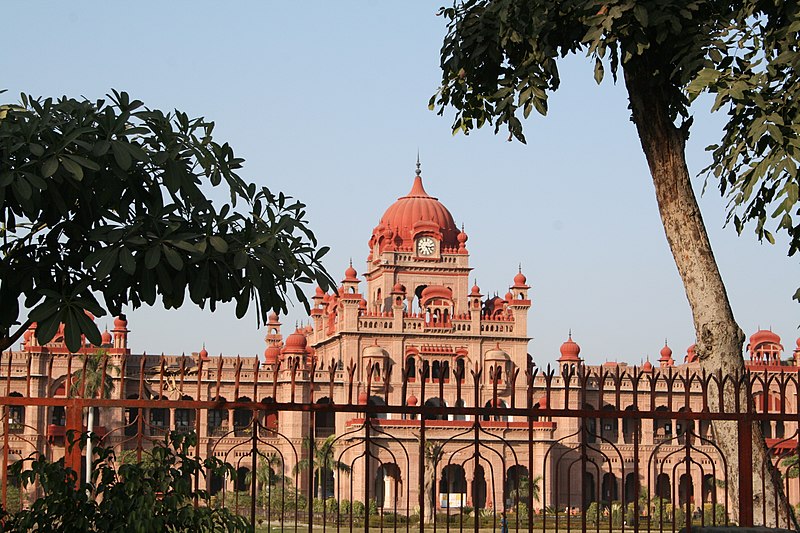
[{"x": 327, "y": 101}]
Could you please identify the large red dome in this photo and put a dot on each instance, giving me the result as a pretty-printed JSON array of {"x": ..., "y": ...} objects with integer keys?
[{"x": 415, "y": 212}]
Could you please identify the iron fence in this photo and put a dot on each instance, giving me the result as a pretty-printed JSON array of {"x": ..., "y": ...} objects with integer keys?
[{"x": 590, "y": 448}]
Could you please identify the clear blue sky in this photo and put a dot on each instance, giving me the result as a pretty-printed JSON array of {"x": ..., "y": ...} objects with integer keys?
[{"x": 327, "y": 101}]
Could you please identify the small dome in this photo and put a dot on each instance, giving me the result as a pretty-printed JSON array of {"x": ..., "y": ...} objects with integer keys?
[
  {"x": 362, "y": 305},
  {"x": 296, "y": 343},
  {"x": 647, "y": 366},
  {"x": 350, "y": 274},
  {"x": 691, "y": 354},
  {"x": 509, "y": 297},
  {"x": 105, "y": 337},
  {"x": 203, "y": 353},
  {"x": 462, "y": 237},
  {"x": 272, "y": 354},
  {"x": 496, "y": 354},
  {"x": 412, "y": 401},
  {"x": 120, "y": 322},
  {"x": 763, "y": 336},
  {"x": 375, "y": 351},
  {"x": 570, "y": 350},
  {"x": 666, "y": 352},
  {"x": 476, "y": 291},
  {"x": 398, "y": 287},
  {"x": 318, "y": 291},
  {"x": 520, "y": 280},
  {"x": 31, "y": 330}
]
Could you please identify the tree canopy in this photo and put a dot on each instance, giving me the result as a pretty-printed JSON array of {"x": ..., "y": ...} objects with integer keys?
[
  {"x": 500, "y": 62},
  {"x": 104, "y": 204}
]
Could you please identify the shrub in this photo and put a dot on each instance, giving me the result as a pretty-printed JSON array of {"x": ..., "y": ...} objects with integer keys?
[
  {"x": 373, "y": 508},
  {"x": 331, "y": 506},
  {"x": 345, "y": 507},
  {"x": 593, "y": 514},
  {"x": 616, "y": 513},
  {"x": 358, "y": 509},
  {"x": 157, "y": 497},
  {"x": 630, "y": 514},
  {"x": 714, "y": 514}
]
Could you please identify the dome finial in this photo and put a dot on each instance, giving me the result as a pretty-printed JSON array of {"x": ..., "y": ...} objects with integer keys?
[
  {"x": 418, "y": 171},
  {"x": 570, "y": 333}
]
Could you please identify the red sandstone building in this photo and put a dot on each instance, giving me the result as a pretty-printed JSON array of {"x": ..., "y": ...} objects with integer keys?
[{"x": 412, "y": 312}]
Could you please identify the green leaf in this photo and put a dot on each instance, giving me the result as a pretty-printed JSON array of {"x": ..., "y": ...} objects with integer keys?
[
  {"x": 218, "y": 243},
  {"x": 126, "y": 261},
  {"x": 152, "y": 257},
  {"x": 73, "y": 168},
  {"x": 173, "y": 258}
]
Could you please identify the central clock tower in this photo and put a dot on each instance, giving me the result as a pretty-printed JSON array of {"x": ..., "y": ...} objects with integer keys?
[{"x": 416, "y": 245}]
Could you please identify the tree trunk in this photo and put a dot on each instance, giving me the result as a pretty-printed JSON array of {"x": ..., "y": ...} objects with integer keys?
[
  {"x": 719, "y": 338},
  {"x": 427, "y": 487}
]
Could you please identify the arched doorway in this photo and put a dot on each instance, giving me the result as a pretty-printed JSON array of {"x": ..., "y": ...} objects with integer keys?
[
  {"x": 478, "y": 488},
  {"x": 664, "y": 487},
  {"x": 517, "y": 486},
  {"x": 609, "y": 488},
  {"x": 387, "y": 486},
  {"x": 588, "y": 489},
  {"x": 453, "y": 486},
  {"x": 685, "y": 490}
]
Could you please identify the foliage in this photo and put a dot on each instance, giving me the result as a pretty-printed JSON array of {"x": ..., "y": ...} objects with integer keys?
[
  {"x": 345, "y": 507},
  {"x": 593, "y": 513},
  {"x": 500, "y": 60},
  {"x": 630, "y": 513},
  {"x": 15, "y": 498},
  {"x": 137, "y": 497},
  {"x": 526, "y": 488},
  {"x": 660, "y": 509},
  {"x": 616, "y": 513},
  {"x": 95, "y": 373},
  {"x": 321, "y": 458},
  {"x": 791, "y": 464},
  {"x": 357, "y": 508},
  {"x": 714, "y": 514},
  {"x": 108, "y": 199}
]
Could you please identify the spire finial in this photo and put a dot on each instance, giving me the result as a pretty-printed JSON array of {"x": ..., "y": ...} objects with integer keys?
[
  {"x": 665, "y": 341},
  {"x": 570, "y": 333},
  {"x": 520, "y": 268},
  {"x": 418, "y": 171},
  {"x": 351, "y": 261}
]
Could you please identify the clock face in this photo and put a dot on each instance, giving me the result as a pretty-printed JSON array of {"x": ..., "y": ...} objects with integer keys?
[{"x": 426, "y": 246}]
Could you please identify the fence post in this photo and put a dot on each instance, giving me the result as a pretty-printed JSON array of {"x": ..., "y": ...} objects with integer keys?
[{"x": 745, "y": 472}]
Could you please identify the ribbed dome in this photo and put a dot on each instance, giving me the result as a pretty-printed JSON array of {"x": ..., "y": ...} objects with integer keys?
[
  {"x": 415, "y": 208},
  {"x": 647, "y": 366},
  {"x": 666, "y": 352},
  {"x": 764, "y": 335},
  {"x": 272, "y": 353},
  {"x": 105, "y": 338},
  {"x": 570, "y": 350},
  {"x": 120, "y": 322},
  {"x": 296, "y": 343}
]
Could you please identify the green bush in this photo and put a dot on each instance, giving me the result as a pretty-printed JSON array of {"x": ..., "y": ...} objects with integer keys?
[
  {"x": 345, "y": 507},
  {"x": 14, "y": 498},
  {"x": 373, "y": 507},
  {"x": 680, "y": 517},
  {"x": 661, "y": 509},
  {"x": 331, "y": 506},
  {"x": 593, "y": 513},
  {"x": 630, "y": 514},
  {"x": 715, "y": 514},
  {"x": 616, "y": 513},
  {"x": 141, "y": 497},
  {"x": 358, "y": 509}
]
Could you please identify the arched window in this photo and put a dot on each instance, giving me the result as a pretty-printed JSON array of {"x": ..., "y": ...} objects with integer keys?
[
  {"x": 217, "y": 419},
  {"x": 16, "y": 415},
  {"x": 185, "y": 418},
  {"x": 411, "y": 367}
]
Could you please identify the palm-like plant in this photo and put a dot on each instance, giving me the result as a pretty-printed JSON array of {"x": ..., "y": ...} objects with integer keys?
[
  {"x": 265, "y": 475},
  {"x": 320, "y": 459},
  {"x": 87, "y": 382},
  {"x": 527, "y": 488}
]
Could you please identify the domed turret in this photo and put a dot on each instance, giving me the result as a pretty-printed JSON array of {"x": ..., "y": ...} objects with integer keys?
[
  {"x": 647, "y": 366},
  {"x": 105, "y": 338},
  {"x": 203, "y": 354},
  {"x": 272, "y": 354},
  {"x": 412, "y": 401},
  {"x": 691, "y": 354},
  {"x": 570, "y": 350},
  {"x": 520, "y": 280},
  {"x": 296, "y": 343},
  {"x": 120, "y": 322},
  {"x": 666, "y": 356},
  {"x": 350, "y": 274}
]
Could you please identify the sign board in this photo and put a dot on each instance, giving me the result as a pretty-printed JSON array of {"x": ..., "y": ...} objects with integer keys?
[{"x": 452, "y": 500}]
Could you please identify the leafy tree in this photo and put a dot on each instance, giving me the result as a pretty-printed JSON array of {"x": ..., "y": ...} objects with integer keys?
[
  {"x": 527, "y": 489},
  {"x": 266, "y": 477},
  {"x": 320, "y": 460},
  {"x": 500, "y": 61},
  {"x": 103, "y": 204},
  {"x": 144, "y": 497},
  {"x": 94, "y": 378}
]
